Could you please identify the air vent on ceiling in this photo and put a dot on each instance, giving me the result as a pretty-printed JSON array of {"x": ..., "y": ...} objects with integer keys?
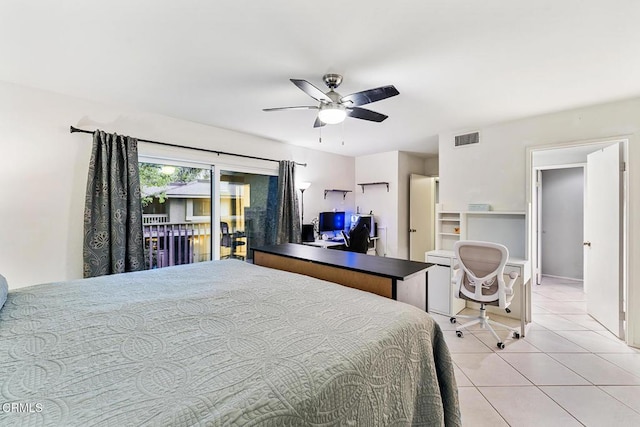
[{"x": 467, "y": 139}]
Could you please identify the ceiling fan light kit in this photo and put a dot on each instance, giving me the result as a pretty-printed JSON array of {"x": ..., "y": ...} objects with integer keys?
[
  {"x": 334, "y": 108},
  {"x": 332, "y": 114}
]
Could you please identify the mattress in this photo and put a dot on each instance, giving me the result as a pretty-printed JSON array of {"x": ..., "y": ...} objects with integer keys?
[{"x": 219, "y": 343}]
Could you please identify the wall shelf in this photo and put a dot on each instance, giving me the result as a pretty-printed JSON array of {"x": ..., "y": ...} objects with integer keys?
[
  {"x": 448, "y": 228},
  {"x": 344, "y": 192},
  {"x": 364, "y": 184}
]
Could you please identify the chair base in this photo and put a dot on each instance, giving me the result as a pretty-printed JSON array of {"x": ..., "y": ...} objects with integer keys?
[{"x": 485, "y": 323}]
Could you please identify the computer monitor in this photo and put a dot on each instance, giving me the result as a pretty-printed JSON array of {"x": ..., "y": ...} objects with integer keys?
[{"x": 330, "y": 221}]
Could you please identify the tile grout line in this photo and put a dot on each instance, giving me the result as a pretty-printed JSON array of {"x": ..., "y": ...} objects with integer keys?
[
  {"x": 574, "y": 325},
  {"x": 614, "y": 397},
  {"x": 563, "y": 408}
]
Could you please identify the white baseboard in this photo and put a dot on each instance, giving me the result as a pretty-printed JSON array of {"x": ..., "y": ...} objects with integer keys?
[{"x": 563, "y": 278}]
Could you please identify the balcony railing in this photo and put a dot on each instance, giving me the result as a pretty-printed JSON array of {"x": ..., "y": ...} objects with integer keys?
[
  {"x": 168, "y": 244},
  {"x": 155, "y": 218}
]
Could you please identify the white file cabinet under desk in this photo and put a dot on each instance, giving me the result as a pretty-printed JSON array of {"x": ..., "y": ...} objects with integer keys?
[{"x": 440, "y": 290}]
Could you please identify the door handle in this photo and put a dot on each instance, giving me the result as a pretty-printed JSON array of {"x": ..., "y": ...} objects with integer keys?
[{"x": 586, "y": 244}]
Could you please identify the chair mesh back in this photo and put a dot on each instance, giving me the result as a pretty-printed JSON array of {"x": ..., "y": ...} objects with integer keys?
[
  {"x": 225, "y": 237},
  {"x": 359, "y": 238},
  {"x": 481, "y": 261}
]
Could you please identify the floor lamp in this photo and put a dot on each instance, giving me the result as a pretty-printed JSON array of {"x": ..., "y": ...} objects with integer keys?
[{"x": 303, "y": 186}]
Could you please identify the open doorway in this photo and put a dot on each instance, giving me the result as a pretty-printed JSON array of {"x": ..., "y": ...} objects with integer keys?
[
  {"x": 555, "y": 237},
  {"x": 561, "y": 224}
]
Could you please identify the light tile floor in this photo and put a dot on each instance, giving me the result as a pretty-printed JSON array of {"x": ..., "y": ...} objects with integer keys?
[{"x": 567, "y": 371}]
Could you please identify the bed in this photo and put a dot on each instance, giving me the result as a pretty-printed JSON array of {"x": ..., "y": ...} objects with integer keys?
[{"x": 219, "y": 343}]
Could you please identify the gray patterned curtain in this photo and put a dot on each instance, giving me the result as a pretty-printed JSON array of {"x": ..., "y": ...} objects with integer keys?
[
  {"x": 113, "y": 239},
  {"x": 288, "y": 213}
]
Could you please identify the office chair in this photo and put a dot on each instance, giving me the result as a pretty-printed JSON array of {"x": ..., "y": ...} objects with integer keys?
[
  {"x": 229, "y": 240},
  {"x": 479, "y": 277},
  {"x": 357, "y": 240}
]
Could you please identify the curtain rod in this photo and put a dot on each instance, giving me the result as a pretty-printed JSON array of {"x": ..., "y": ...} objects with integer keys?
[{"x": 166, "y": 144}]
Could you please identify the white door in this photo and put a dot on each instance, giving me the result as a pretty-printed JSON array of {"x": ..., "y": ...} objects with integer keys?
[
  {"x": 421, "y": 216},
  {"x": 602, "y": 237}
]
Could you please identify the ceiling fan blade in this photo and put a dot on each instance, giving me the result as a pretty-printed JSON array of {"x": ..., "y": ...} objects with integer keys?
[
  {"x": 364, "y": 114},
  {"x": 291, "y": 108},
  {"x": 318, "y": 123},
  {"x": 311, "y": 90},
  {"x": 369, "y": 96}
]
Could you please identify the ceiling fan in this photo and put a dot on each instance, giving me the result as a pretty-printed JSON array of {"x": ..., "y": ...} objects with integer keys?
[{"x": 334, "y": 108}]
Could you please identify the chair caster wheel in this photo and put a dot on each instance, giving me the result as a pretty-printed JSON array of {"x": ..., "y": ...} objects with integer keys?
[
  {"x": 453, "y": 320},
  {"x": 516, "y": 335},
  {"x": 459, "y": 334},
  {"x": 500, "y": 345},
  {"x": 508, "y": 310}
]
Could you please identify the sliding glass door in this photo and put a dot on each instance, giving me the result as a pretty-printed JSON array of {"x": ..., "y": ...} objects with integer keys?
[
  {"x": 178, "y": 213},
  {"x": 247, "y": 212},
  {"x": 176, "y": 206}
]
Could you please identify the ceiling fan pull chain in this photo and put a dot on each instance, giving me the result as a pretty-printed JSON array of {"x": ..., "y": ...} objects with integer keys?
[
  {"x": 343, "y": 134},
  {"x": 320, "y": 139}
]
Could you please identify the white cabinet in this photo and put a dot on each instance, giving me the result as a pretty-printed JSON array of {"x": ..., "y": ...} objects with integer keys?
[{"x": 440, "y": 290}]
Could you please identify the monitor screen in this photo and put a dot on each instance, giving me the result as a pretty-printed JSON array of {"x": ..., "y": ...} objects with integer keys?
[{"x": 331, "y": 221}]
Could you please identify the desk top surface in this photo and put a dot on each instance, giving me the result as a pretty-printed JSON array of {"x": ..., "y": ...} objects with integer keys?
[
  {"x": 324, "y": 243},
  {"x": 380, "y": 266}
]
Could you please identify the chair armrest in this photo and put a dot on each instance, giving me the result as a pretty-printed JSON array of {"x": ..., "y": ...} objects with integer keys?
[
  {"x": 513, "y": 276},
  {"x": 456, "y": 273},
  {"x": 456, "y": 279},
  {"x": 345, "y": 237}
]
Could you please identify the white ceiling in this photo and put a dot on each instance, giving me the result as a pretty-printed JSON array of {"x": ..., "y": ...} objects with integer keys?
[{"x": 457, "y": 64}]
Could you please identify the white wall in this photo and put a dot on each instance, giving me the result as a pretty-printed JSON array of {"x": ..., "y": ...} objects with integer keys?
[
  {"x": 43, "y": 170},
  {"x": 562, "y": 222},
  {"x": 382, "y": 167},
  {"x": 431, "y": 166},
  {"x": 391, "y": 208},
  {"x": 494, "y": 171}
]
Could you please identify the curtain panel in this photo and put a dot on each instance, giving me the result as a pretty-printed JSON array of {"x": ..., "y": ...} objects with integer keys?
[
  {"x": 113, "y": 235},
  {"x": 288, "y": 214}
]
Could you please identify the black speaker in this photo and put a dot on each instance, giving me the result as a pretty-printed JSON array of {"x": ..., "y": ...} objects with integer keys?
[{"x": 307, "y": 233}]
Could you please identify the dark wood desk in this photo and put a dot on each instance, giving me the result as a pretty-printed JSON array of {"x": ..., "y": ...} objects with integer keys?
[{"x": 399, "y": 279}]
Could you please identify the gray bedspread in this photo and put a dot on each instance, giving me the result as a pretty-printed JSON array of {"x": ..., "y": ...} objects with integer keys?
[{"x": 219, "y": 343}]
